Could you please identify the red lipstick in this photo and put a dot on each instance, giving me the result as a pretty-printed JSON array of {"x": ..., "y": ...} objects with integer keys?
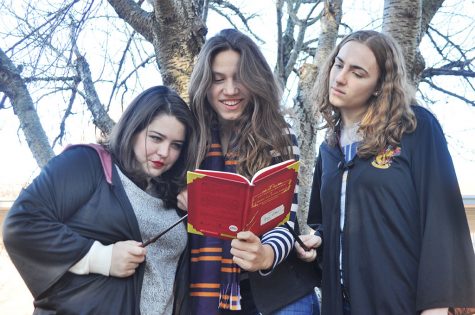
[{"x": 158, "y": 164}]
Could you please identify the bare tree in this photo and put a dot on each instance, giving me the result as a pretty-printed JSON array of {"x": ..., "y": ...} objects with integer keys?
[
  {"x": 61, "y": 51},
  {"x": 52, "y": 42}
]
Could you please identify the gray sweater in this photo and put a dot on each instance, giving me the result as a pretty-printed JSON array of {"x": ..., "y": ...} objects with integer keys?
[{"x": 162, "y": 256}]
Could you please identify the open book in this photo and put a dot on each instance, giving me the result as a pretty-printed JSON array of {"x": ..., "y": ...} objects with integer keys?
[{"x": 221, "y": 204}]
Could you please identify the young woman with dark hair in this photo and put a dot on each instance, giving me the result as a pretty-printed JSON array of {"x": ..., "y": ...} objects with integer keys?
[{"x": 75, "y": 234}]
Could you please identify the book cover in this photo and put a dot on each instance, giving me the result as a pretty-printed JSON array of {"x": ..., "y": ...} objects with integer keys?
[{"x": 221, "y": 204}]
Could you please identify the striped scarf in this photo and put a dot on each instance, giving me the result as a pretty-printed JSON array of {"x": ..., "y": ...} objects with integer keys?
[{"x": 214, "y": 278}]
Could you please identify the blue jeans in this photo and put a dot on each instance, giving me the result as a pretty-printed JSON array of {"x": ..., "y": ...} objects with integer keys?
[{"x": 308, "y": 305}]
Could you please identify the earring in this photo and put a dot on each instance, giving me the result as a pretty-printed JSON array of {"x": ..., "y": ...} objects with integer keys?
[{"x": 376, "y": 93}]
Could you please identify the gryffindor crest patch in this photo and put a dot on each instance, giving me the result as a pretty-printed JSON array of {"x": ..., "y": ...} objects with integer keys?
[{"x": 385, "y": 158}]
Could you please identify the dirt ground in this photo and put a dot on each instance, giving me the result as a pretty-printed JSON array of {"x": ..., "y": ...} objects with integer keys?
[{"x": 15, "y": 299}]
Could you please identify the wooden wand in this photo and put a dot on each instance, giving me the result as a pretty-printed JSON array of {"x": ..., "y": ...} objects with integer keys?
[{"x": 156, "y": 237}]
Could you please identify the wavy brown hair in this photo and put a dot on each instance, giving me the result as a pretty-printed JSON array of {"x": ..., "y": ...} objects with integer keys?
[
  {"x": 388, "y": 115},
  {"x": 261, "y": 126}
]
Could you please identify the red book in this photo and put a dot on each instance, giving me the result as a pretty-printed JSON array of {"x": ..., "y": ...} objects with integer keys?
[{"x": 221, "y": 204}]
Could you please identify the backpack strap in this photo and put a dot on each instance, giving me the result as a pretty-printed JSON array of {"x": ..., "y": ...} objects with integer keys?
[{"x": 104, "y": 155}]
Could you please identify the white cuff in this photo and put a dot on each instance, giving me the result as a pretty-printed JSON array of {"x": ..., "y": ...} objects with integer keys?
[
  {"x": 101, "y": 258},
  {"x": 97, "y": 260}
]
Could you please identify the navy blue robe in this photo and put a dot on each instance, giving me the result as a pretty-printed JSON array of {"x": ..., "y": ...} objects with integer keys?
[
  {"x": 406, "y": 239},
  {"x": 52, "y": 225}
]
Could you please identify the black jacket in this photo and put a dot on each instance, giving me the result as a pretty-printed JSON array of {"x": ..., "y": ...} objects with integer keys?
[
  {"x": 53, "y": 224},
  {"x": 406, "y": 239},
  {"x": 291, "y": 280}
]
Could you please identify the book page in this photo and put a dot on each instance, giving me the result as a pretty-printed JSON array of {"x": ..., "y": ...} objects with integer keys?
[
  {"x": 271, "y": 169},
  {"x": 224, "y": 175},
  {"x": 271, "y": 200}
]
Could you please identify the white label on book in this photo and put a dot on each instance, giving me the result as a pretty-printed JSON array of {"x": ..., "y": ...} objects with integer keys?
[
  {"x": 271, "y": 215},
  {"x": 233, "y": 228}
]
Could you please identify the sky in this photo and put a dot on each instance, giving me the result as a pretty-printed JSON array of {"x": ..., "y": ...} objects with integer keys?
[{"x": 17, "y": 166}]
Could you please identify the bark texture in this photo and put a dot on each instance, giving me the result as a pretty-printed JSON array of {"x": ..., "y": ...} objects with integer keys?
[
  {"x": 176, "y": 31},
  {"x": 304, "y": 103},
  {"x": 100, "y": 117},
  {"x": 15, "y": 89},
  {"x": 402, "y": 19}
]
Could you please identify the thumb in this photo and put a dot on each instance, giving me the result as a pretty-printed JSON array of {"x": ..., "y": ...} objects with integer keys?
[
  {"x": 136, "y": 249},
  {"x": 246, "y": 236}
]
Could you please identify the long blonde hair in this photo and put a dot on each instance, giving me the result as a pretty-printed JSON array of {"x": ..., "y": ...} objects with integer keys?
[
  {"x": 388, "y": 115},
  {"x": 261, "y": 126}
]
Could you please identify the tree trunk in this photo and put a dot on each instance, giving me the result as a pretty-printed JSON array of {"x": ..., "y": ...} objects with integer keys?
[
  {"x": 402, "y": 20},
  {"x": 178, "y": 35},
  {"x": 429, "y": 9},
  {"x": 304, "y": 104},
  {"x": 15, "y": 88},
  {"x": 176, "y": 32}
]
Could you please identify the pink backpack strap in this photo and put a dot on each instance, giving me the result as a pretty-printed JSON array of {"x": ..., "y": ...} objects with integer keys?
[{"x": 106, "y": 159}]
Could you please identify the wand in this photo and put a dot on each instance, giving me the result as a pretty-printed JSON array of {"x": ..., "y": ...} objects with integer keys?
[
  {"x": 156, "y": 237},
  {"x": 297, "y": 238}
]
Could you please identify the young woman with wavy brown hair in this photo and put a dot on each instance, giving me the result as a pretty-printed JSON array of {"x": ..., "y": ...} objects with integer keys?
[
  {"x": 260, "y": 123},
  {"x": 236, "y": 102},
  {"x": 388, "y": 114},
  {"x": 385, "y": 201}
]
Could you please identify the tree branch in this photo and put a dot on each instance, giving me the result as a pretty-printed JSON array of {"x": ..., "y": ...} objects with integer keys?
[
  {"x": 214, "y": 5},
  {"x": 204, "y": 7},
  {"x": 2, "y": 102},
  {"x": 100, "y": 117},
  {"x": 438, "y": 88},
  {"x": 429, "y": 9},
  {"x": 142, "y": 64},
  {"x": 140, "y": 20},
  {"x": 67, "y": 113},
  {"x": 54, "y": 18},
  {"x": 449, "y": 41},
  {"x": 303, "y": 25},
  {"x": 50, "y": 79},
  {"x": 121, "y": 63},
  {"x": 430, "y": 72}
]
